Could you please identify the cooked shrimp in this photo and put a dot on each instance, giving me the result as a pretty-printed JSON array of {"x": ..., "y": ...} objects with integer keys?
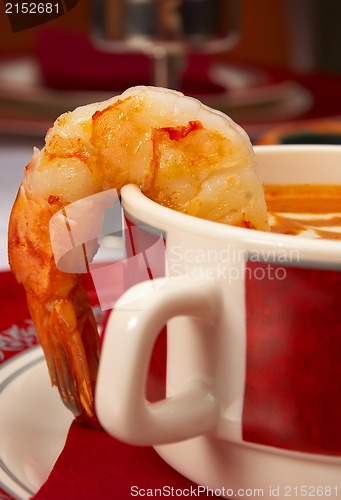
[{"x": 182, "y": 155}]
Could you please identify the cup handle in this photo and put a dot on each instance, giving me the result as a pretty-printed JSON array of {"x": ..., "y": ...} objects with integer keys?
[{"x": 131, "y": 332}]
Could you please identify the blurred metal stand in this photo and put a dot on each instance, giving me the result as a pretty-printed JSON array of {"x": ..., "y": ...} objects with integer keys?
[
  {"x": 165, "y": 30},
  {"x": 314, "y": 35}
]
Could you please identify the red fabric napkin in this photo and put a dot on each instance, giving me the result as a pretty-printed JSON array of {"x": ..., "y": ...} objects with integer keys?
[{"x": 94, "y": 465}]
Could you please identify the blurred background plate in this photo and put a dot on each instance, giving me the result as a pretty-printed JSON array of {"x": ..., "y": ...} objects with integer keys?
[{"x": 29, "y": 106}]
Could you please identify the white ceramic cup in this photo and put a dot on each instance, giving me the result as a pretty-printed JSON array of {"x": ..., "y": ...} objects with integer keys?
[{"x": 253, "y": 346}]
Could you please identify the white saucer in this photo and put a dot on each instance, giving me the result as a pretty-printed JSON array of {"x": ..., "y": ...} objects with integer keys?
[
  {"x": 243, "y": 469},
  {"x": 33, "y": 424}
]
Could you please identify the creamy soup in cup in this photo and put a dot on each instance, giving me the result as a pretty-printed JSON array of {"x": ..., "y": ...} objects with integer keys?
[{"x": 253, "y": 340}]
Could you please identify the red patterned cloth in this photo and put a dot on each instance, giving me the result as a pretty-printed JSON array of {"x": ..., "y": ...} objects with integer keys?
[{"x": 17, "y": 332}]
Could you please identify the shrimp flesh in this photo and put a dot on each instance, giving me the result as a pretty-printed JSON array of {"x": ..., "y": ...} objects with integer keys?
[{"x": 181, "y": 154}]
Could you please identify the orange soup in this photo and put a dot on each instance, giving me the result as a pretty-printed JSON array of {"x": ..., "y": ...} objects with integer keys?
[{"x": 305, "y": 209}]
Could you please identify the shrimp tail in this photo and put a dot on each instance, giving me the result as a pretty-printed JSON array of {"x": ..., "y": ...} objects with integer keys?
[
  {"x": 71, "y": 349},
  {"x": 58, "y": 305}
]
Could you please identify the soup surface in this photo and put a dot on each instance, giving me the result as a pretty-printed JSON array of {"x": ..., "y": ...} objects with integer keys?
[{"x": 309, "y": 210}]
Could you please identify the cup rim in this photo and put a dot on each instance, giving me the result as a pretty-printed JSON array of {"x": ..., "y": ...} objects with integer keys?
[{"x": 315, "y": 253}]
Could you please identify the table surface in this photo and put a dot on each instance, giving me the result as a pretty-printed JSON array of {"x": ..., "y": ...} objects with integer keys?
[{"x": 14, "y": 156}]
